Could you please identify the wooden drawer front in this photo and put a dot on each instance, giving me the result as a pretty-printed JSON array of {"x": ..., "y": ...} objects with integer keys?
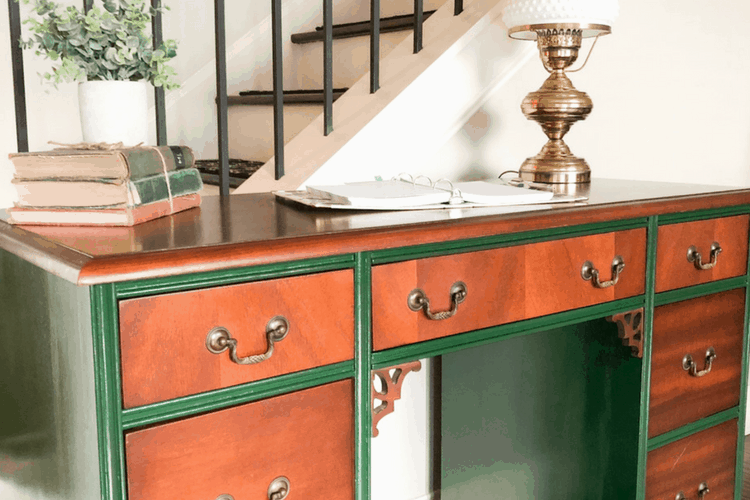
[
  {"x": 503, "y": 285},
  {"x": 673, "y": 270},
  {"x": 692, "y": 327},
  {"x": 706, "y": 457},
  {"x": 307, "y": 437},
  {"x": 163, "y": 338}
]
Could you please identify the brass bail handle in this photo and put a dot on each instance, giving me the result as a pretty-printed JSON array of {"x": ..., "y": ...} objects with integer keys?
[
  {"x": 694, "y": 256},
  {"x": 702, "y": 492},
  {"x": 219, "y": 340},
  {"x": 590, "y": 273},
  {"x": 277, "y": 490},
  {"x": 692, "y": 368},
  {"x": 417, "y": 300}
]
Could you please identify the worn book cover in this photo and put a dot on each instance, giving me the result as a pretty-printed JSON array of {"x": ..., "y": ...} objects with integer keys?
[
  {"x": 127, "y": 216},
  {"x": 116, "y": 166}
]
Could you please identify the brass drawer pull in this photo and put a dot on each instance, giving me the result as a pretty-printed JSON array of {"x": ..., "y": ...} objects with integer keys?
[
  {"x": 219, "y": 340},
  {"x": 694, "y": 256},
  {"x": 702, "y": 492},
  {"x": 689, "y": 366},
  {"x": 418, "y": 300},
  {"x": 279, "y": 488},
  {"x": 589, "y": 272}
]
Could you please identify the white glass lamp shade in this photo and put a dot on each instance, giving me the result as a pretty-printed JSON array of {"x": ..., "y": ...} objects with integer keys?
[{"x": 520, "y": 13}]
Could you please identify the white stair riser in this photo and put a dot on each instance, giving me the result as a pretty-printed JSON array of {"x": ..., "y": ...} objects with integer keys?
[
  {"x": 251, "y": 128},
  {"x": 353, "y": 11},
  {"x": 351, "y": 59}
]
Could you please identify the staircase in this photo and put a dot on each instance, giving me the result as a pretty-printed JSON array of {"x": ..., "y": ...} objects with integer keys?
[{"x": 251, "y": 114}]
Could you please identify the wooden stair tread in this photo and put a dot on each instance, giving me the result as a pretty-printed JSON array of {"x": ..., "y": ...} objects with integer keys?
[
  {"x": 350, "y": 30},
  {"x": 265, "y": 97},
  {"x": 239, "y": 171}
]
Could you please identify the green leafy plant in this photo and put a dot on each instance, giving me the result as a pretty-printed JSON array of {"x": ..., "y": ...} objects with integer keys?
[{"x": 109, "y": 43}]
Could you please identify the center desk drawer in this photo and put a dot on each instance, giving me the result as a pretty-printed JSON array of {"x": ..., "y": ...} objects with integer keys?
[
  {"x": 306, "y": 437},
  {"x": 503, "y": 285},
  {"x": 164, "y": 339}
]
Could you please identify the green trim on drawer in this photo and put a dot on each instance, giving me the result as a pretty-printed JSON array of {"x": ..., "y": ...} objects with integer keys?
[
  {"x": 139, "y": 288},
  {"x": 648, "y": 328},
  {"x": 693, "y": 292},
  {"x": 502, "y": 240},
  {"x": 739, "y": 471},
  {"x": 703, "y": 214},
  {"x": 230, "y": 396},
  {"x": 687, "y": 430},
  {"x": 362, "y": 381},
  {"x": 438, "y": 347},
  {"x": 104, "y": 323}
]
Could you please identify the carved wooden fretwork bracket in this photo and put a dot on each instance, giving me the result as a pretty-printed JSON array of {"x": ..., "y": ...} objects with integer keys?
[
  {"x": 630, "y": 330},
  {"x": 390, "y": 380}
]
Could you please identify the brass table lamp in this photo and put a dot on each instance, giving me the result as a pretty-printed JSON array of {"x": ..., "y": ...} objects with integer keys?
[{"x": 558, "y": 26}]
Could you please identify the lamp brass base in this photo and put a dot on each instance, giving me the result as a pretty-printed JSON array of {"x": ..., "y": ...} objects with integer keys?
[{"x": 555, "y": 164}]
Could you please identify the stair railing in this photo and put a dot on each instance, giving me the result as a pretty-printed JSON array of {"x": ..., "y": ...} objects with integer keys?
[
  {"x": 19, "y": 88},
  {"x": 19, "y": 85}
]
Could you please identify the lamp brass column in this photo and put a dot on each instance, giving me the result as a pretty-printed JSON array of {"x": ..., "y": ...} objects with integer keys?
[{"x": 557, "y": 105}]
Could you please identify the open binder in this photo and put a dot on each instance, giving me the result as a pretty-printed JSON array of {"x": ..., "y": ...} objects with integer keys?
[{"x": 406, "y": 193}]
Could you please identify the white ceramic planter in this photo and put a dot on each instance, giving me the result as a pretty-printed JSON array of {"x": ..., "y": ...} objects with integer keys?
[{"x": 114, "y": 111}]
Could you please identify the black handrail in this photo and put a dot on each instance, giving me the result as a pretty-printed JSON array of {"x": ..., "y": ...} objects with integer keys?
[
  {"x": 19, "y": 85},
  {"x": 458, "y": 7},
  {"x": 221, "y": 97},
  {"x": 374, "y": 46},
  {"x": 278, "y": 89},
  {"x": 159, "y": 99},
  {"x": 328, "y": 66},
  {"x": 418, "y": 22}
]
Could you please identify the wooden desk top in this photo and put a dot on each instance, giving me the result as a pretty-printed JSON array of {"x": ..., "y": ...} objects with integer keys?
[{"x": 256, "y": 229}]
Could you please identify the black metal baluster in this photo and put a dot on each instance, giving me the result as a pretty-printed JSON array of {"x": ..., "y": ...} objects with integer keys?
[
  {"x": 87, "y": 5},
  {"x": 221, "y": 96},
  {"x": 19, "y": 86},
  {"x": 458, "y": 7},
  {"x": 374, "y": 46},
  {"x": 328, "y": 66},
  {"x": 278, "y": 89},
  {"x": 418, "y": 20},
  {"x": 159, "y": 99}
]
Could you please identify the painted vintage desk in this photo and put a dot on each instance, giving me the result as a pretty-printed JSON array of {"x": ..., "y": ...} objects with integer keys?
[{"x": 589, "y": 351}]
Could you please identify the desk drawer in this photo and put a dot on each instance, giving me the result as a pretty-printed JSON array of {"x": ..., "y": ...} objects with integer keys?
[
  {"x": 707, "y": 457},
  {"x": 692, "y": 328},
  {"x": 307, "y": 437},
  {"x": 164, "y": 338},
  {"x": 674, "y": 270},
  {"x": 503, "y": 285}
]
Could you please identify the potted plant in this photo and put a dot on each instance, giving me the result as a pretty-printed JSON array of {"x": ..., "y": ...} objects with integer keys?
[{"x": 111, "y": 53}]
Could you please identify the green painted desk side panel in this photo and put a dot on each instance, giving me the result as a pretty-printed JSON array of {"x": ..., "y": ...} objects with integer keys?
[
  {"x": 545, "y": 416},
  {"x": 48, "y": 436}
]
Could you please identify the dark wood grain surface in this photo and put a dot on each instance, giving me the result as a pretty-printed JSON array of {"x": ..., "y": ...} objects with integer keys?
[
  {"x": 708, "y": 456},
  {"x": 673, "y": 270},
  {"x": 163, "y": 338},
  {"x": 691, "y": 327},
  {"x": 504, "y": 285},
  {"x": 306, "y": 436},
  {"x": 256, "y": 229}
]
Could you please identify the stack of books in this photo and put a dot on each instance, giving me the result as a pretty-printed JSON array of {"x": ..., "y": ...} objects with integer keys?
[{"x": 120, "y": 187}]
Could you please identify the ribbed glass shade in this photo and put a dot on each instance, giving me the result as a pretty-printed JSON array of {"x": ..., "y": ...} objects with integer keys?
[{"x": 585, "y": 12}]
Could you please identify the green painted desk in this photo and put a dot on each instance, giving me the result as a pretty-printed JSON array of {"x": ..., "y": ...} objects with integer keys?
[{"x": 126, "y": 365}]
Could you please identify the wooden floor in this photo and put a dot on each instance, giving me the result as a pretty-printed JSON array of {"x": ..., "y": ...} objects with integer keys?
[{"x": 746, "y": 473}]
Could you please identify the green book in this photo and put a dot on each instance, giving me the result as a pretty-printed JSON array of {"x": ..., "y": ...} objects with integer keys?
[{"x": 98, "y": 194}]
